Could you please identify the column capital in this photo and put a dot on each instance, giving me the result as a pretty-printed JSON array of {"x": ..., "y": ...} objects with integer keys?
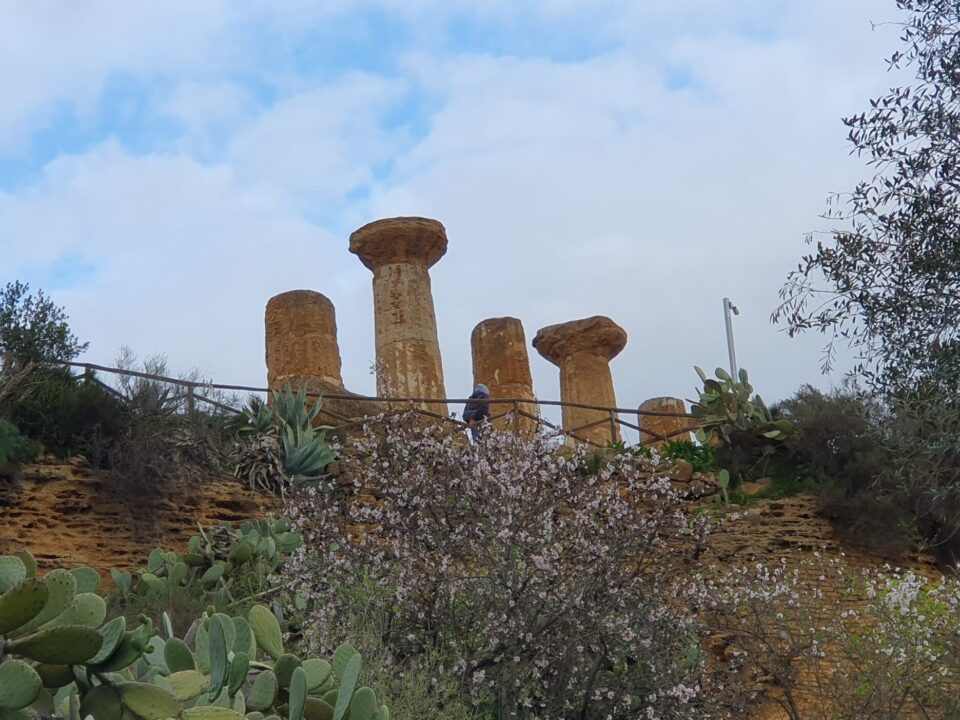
[
  {"x": 414, "y": 240},
  {"x": 597, "y": 335}
]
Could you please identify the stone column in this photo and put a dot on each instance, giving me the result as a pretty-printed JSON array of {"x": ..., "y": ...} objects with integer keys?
[
  {"x": 301, "y": 340},
  {"x": 400, "y": 252},
  {"x": 501, "y": 363},
  {"x": 583, "y": 349},
  {"x": 663, "y": 425}
]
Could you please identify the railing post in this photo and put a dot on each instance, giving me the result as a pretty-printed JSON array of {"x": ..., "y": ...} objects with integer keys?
[
  {"x": 516, "y": 419},
  {"x": 191, "y": 401},
  {"x": 613, "y": 427},
  {"x": 87, "y": 374}
]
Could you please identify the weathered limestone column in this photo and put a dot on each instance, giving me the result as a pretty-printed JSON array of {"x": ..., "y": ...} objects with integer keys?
[
  {"x": 662, "y": 425},
  {"x": 583, "y": 349},
  {"x": 501, "y": 363},
  {"x": 301, "y": 340},
  {"x": 400, "y": 252}
]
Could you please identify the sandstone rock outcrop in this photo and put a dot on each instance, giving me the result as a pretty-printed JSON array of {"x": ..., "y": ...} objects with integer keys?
[
  {"x": 63, "y": 515},
  {"x": 400, "y": 251},
  {"x": 583, "y": 349},
  {"x": 662, "y": 425},
  {"x": 500, "y": 362}
]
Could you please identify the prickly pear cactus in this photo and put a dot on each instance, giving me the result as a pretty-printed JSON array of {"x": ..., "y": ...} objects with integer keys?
[
  {"x": 213, "y": 560},
  {"x": 53, "y": 635},
  {"x": 61, "y": 658}
]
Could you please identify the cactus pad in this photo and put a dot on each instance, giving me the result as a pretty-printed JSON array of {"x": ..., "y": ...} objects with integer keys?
[
  {"x": 12, "y": 572},
  {"x": 318, "y": 672},
  {"x": 61, "y": 587},
  {"x": 267, "y": 630},
  {"x": 238, "y": 672},
  {"x": 19, "y": 684},
  {"x": 88, "y": 579},
  {"x": 86, "y": 609},
  {"x": 21, "y": 603},
  {"x": 149, "y": 701},
  {"x": 263, "y": 691},
  {"x": 297, "y": 694},
  {"x": 187, "y": 684},
  {"x": 112, "y": 634},
  {"x": 103, "y": 703},
  {"x": 218, "y": 654},
  {"x": 178, "y": 656},
  {"x": 341, "y": 658},
  {"x": 363, "y": 706},
  {"x": 65, "y": 645},
  {"x": 348, "y": 683},
  {"x": 29, "y": 562},
  {"x": 283, "y": 668}
]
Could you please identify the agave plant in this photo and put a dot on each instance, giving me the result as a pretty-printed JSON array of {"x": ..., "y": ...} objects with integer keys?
[{"x": 280, "y": 446}]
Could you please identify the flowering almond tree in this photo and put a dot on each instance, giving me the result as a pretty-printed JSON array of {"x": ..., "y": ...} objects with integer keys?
[{"x": 549, "y": 589}]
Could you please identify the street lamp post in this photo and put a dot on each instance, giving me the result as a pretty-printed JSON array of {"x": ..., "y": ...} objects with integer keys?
[{"x": 729, "y": 309}]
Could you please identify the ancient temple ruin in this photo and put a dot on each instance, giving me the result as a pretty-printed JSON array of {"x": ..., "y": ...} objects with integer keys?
[{"x": 302, "y": 347}]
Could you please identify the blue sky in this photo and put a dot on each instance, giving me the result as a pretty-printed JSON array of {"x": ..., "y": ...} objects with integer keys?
[{"x": 166, "y": 168}]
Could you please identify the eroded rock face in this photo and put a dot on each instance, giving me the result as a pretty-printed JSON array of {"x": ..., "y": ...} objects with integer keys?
[
  {"x": 662, "y": 425},
  {"x": 400, "y": 252},
  {"x": 301, "y": 340},
  {"x": 63, "y": 516},
  {"x": 500, "y": 362},
  {"x": 582, "y": 349}
]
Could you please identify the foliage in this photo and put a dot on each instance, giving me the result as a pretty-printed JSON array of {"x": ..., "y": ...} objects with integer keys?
[
  {"x": 14, "y": 447},
  {"x": 278, "y": 446},
  {"x": 923, "y": 438},
  {"x": 837, "y": 436},
  {"x": 223, "y": 566},
  {"x": 59, "y": 657},
  {"x": 545, "y": 590},
  {"x": 33, "y": 328},
  {"x": 884, "y": 647},
  {"x": 702, "y": 458},
  {"x": 67, "y": 415},
  {"x": 730, "y": 414},
  {"x": 887, "y": 281}
]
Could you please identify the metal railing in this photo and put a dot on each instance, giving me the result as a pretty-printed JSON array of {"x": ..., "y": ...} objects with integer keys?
[{"x": 194, "y": 392}]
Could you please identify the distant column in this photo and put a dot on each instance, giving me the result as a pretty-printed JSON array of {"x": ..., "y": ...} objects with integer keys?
[
  {"x": 400, "y": 251},
  {"x": 583, "y": 349},
  {"x": 500, "y": 362},
  {"x": 662, "y": 425},
  {"x": 301, "y": 341}
]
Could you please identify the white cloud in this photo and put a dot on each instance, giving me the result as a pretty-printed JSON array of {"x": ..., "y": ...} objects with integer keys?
[{"x": 568, "y": 188}]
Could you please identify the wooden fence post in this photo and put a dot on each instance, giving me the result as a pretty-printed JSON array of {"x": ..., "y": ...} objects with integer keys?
[
  {"x": 613, "y": 427},
  {"x": 191, "y": 402}
]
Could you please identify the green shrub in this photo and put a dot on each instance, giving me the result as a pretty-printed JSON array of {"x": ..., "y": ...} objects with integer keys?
[
  {"x": 703, "y": 458},
  {"x": 14, "y": 447},
  {"x": 837, "y": 437},
  {"x": 67, "y": 415}
]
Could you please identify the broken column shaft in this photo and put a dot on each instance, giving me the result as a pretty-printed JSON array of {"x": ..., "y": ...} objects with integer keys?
[
  {"x": 654, "y": 427},
  {"x": 500, "y": 362},
  {"x": 582, "y": 349},
  {"x": 301, "y": 342},
  {"x": 400, "y": 252}
]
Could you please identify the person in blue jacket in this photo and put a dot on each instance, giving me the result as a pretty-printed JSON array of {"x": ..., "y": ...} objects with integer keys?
[{"x": 477, "y": 412}]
